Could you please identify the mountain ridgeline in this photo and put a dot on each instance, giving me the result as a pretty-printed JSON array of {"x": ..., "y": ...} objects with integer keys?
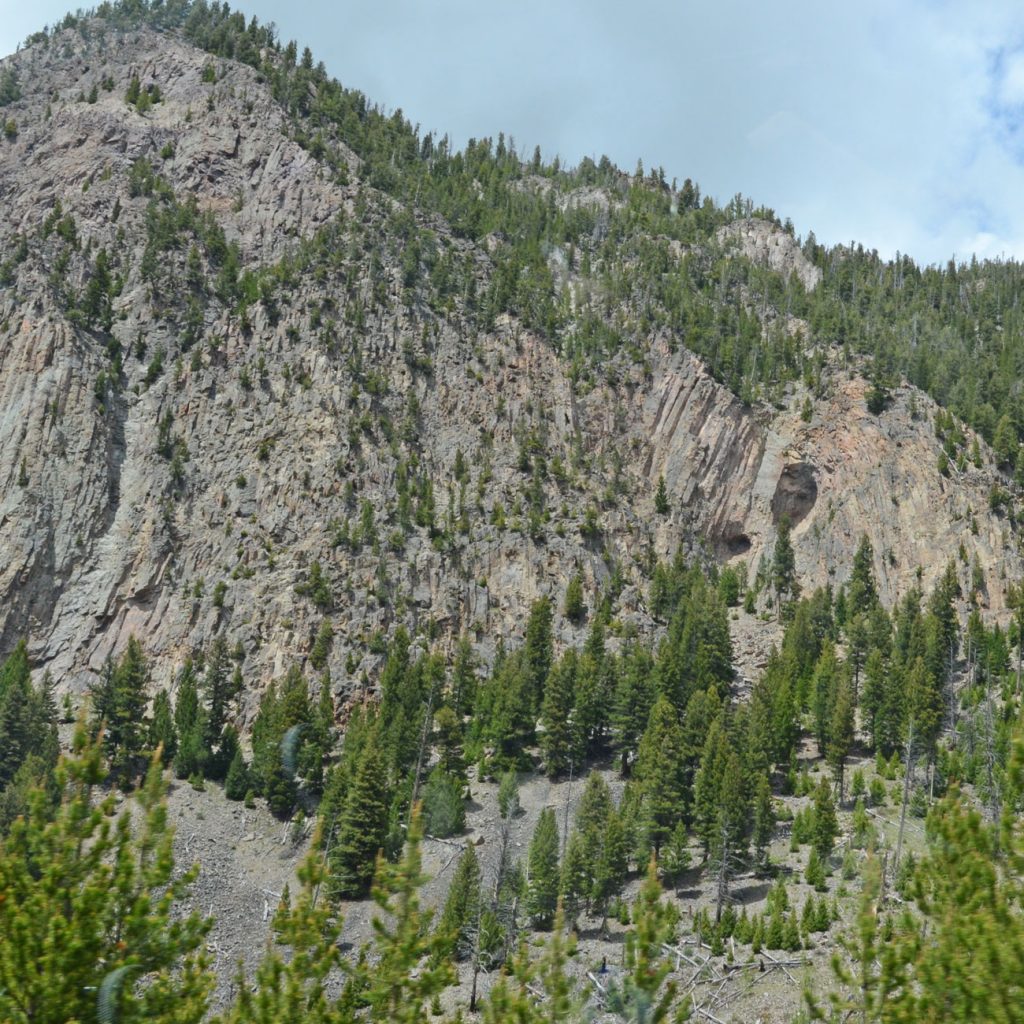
[{"x": 460, "y": 498}]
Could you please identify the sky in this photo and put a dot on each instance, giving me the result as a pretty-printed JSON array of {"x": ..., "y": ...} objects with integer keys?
[{"x": 898, "y": 124}]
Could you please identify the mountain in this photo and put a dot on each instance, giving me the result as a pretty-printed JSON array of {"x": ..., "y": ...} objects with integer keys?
[
  {"x": 354, "y": 472},
  {"x": 231, "y": 353}
]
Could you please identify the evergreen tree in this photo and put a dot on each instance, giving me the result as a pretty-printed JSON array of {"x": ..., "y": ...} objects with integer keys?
[
  {"x": 862, "y": 593},
  {"x": 162, "y": 733},
  {"x": 763, "y": 826},
  {"x": 644, "y": 994},
  {"x": 826, "y": 826},
  {"x": 783, "y": 570},
  {"x": 86, "y": 894},
  {"x": 462, "y": 907},
  {"x": 633, "y": 700},
  {"x": 237, "y": 782},
  {"x": 119, "y": 705},
  {"x": 542, "y": 860},
  {"x": 190, "y": 756},
  {"x": 362, "y": 827},
  {"x": 840, "y": 733},
  {"x": 511, "y": 721},
  {"x": 444, "y": 810},
  {"x": 219, "y": 688},
  {"x": 612, "y": 864},
  {"x": 295, "y": 987},
  {"x": 592, "y": 814},
  {"x": 464, "y": 679},
  {"x": 538, "y": 651},
  {"x": 576, "y": 883},
  {"x": 592, "y": 704},
  {"x": 575, "y": 608},
  {"x": 824, "y": 686},
  {"x": 872, "y": 694},
  {"x": 660, "y": 773},
  {"x": 558, "y": 741},
  {"x": 408, "y": 967},
  {"x": 707, "y": 787},
  {"x": 661, "y": 505},
  {"x": 727, "y": 847}
]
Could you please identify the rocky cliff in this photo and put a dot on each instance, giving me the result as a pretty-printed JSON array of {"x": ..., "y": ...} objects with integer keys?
[{"x": 184, "y": 464}]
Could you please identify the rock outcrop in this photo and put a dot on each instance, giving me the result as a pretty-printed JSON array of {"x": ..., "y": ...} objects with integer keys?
[{"x": 179, "y": 475}]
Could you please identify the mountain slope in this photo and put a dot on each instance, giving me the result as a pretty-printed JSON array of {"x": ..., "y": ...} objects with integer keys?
[{"x": 280, "y": 365}]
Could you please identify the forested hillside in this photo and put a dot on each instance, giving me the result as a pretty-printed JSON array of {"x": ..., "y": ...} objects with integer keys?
[{"x": 613, "y": 600}]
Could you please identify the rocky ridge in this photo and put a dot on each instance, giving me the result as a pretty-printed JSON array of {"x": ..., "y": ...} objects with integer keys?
[{"x": 294, "y": 423}]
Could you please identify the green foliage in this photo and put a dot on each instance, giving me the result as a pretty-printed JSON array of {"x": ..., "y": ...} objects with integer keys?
[
  {"x": 659, "y": 772},
  {"x": 28, "y": 735},
  {"x": 542, "y": 891},
  {"x": 661, "y": 505},
  {"x": 362, "y": 827},
  {"x": 317, "y": 587},
  {"x": 575, "y": 607},
  {"x": 560, "y": 740},
  {"x": 408, "y": 967},
  {"x": 508, "y": 795},
  {"x": 295, "y": 984},
  {"x": 462, "y": 908},
  {"x": 87, "y": 894},
  {"x": 119, "y": 703},
  {"x": 644, "y": 994},
  {"x": 444, "y": 809}
]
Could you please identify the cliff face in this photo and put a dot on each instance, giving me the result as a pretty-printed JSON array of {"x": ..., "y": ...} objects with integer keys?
[{"x": 177, "y": 473}]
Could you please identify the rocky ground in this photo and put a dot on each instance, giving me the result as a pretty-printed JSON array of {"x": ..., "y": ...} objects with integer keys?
[{"x": 246, "y": 857}]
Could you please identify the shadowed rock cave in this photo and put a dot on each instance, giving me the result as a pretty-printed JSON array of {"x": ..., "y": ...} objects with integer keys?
[{"x": 796, "y": 493}]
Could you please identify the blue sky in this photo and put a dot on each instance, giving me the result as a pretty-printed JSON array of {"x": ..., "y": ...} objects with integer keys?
[{"x": 897, "y": 124}]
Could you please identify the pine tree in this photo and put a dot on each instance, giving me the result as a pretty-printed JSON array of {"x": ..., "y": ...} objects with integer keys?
[
  {"x": 707, "y": 786},
  {"x": 86, "y": 894},
  {"x": 409, "y": 966},
  {"x": 592, "y": 703},
  {"x": 826, "y": 826},
  {"x": 237, "y": 783},
  {"x": 612, "y": 864},
  {"x": 633, "y": 700},
  {"x": 119, "y": 706},
  {"x": 515, "y": 999},
  {"x": 464, "y": 679},
  {"x": 592, "y": 816},
  {"x": 511, "y": 722},
  {"x": 295, "y": 987},
  {"x": 660, "y": 773},
  {"x": 538, "y": 651},
  {"x": 661, "y": 505},
  {"x": 824, "y": 686},
  {"x": 190, "y": 756},
  {"x": 575, "y": 608},
  {"x": 542, "y": 860},
  {"x": 448, "y": 734},
  {"x": 362, "y": 827},
  {"x": 727, "y": 849},
  {"x": 558, "y": 741},
  {"x": 840, "y": 733},
  {"x": 644, "y": 994},
  {"x": 783, "y": 570},
  {"x": 576, "y": 883},
  {"x": 763, "y": 828},
  {"x": 162, "y": 733},
  {"x": 862, "y": 592},
  {"x": 462, "y": 907}
]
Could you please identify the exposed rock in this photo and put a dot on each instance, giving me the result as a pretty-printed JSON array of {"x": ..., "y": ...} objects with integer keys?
[
  {"x": 294, "y": 421},
  {"x": 762, "y": 242}
]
